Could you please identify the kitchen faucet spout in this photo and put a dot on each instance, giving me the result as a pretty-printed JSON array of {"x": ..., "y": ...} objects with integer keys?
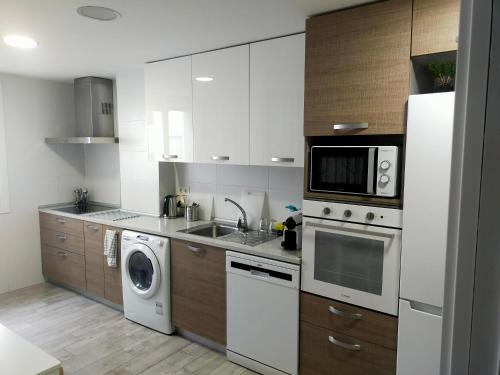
[{"x": 241, "y": 225}]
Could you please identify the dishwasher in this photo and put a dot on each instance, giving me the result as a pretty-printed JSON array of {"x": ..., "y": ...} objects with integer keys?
[{"x": 262, "y": 314}]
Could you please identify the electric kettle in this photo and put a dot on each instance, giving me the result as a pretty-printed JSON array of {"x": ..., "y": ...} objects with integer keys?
[{"x": 170, "y": 207}]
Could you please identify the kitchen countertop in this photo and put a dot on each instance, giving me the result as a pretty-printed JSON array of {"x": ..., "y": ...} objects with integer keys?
[{"x": 170, "y": 227}]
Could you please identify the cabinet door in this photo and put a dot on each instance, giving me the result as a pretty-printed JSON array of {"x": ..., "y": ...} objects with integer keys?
[
  {"x": 169, "y": 109},
  {"x": 221, "y": 106},
  {"x": 277, "y": 101},
  {"x": 63, "y": 267},
  {"x": 113, "y": 276},
  {"x": 426, "y": 191},
  {"x": 357, "y": 70},
  {"x": 198, "y": 276},
  {"x": 435, "y": 26}
]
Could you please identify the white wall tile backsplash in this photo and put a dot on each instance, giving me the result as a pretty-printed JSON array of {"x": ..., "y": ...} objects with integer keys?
[{"x": 209, "y": 184}]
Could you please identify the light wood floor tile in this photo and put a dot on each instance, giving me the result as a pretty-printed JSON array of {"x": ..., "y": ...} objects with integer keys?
[{"x": 92, "y": 339}]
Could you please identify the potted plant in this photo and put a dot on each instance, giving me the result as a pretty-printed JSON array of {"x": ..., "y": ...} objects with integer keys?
[{"x": 444, "y": 76}]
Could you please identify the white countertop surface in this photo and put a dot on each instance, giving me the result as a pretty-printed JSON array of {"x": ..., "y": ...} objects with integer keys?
[
  {"x": 20, "y": 357},
  {"x": 170, "y": 227}
]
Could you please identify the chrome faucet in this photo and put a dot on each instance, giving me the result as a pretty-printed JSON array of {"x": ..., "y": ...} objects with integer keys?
[{"x": 243, "y": 226}]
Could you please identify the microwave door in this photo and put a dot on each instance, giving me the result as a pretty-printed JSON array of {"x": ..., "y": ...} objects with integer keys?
[{"x": 347, "y": 170}]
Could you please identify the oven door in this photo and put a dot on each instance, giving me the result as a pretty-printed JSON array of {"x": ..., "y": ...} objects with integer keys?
[
  {"x": 353, "y": 263},
  {"x": 341, "y": 169}
]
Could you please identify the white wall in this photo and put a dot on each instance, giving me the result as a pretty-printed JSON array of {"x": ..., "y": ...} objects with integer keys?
[
  {"x": 102, "y": 173},
  {"x": 139, "y": 177},
  {"x": 209, "y": 184},
  {"x": 38, "y": 173}
]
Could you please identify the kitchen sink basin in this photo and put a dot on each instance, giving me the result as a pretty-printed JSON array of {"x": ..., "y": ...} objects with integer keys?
[
  {"x": 212, "y": 230},
  {"x": 229, "y": 233}
]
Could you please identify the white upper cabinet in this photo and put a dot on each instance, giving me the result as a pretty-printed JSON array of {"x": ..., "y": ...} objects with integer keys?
[
  {"x": 169, "y": 110},
  {"x": 221, "y": 106},
  {"x": 277, "y": 101}
]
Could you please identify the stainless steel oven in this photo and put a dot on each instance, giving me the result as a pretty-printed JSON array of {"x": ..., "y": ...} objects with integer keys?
[
  {"x": 352, "y": 254},
  {"x": 366, "y": 170}
]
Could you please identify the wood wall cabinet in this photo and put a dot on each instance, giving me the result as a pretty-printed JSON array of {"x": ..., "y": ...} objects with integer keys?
[
  {"x": 435, "y": 26},
  {"x": 277, "y": 101},
  {"x": 221, "y": 106},
  {"x": 169, "y": 110},
  {"x": 357, "y": 69},
  {"x": 198, "y": 277},
  {"x": 340, "y": 339}
]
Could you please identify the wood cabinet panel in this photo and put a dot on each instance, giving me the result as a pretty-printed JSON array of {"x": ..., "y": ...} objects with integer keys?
[
  {"x": 93, "y": 235},
  {"x": 198, "y": 278},
  {"x": 63, "y": 266},
  {"x": 435, "y": 26},
  {"x": 358, "y": 68},
  {"x": 94, "y": 272},
  {"x": 62, "y": 240},
  {"x": 319, "y": 356},
  {"x": 113, "y": 276},
  {"x": 61, "y": 224},
  {"x": 373, "y": 327}
]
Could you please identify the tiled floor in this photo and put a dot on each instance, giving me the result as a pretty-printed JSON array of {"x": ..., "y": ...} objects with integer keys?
[{"x": 90, "y": 338}]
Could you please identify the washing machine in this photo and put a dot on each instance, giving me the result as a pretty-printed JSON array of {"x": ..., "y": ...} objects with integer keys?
[{"x": 146, "y": 280}]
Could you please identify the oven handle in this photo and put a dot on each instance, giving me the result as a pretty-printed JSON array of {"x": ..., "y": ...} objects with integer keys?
[{"x": 350, "y": 230}]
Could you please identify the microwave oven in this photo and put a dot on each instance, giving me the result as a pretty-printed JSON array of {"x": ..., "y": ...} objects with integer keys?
[{"x": 363, "y": 170}]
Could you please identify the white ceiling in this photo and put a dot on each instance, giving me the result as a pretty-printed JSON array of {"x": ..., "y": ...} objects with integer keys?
[{"x": 71, "y": 46}]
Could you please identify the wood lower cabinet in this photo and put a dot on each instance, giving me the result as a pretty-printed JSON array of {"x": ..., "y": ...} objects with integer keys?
[
  {"x": 63, "y": 266},
  {"x": 357, "y": 69},
  {"x": 113, "y": 276},
  {"x": 435, "y": 26},
  {"x": 73, "y": 255},
  {"x": 341, "y": 339},
  {"x": 198, "y": 277}
]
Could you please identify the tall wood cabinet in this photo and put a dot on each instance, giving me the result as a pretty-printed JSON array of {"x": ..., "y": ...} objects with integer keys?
[
  {"x": 357, "y": 70},
  {"x": 435, "y": 26}
]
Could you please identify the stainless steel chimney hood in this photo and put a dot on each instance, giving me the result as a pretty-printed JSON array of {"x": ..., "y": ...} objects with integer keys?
[{"x": 94, "y": 113}]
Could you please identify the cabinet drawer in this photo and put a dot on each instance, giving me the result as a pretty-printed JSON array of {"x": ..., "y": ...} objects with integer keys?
[
  {"x": 94, "y": 272},
  {"x": 63, "y": 266},
  {"x": 370, "y": 326},
  {"x": 62, "y": 240},
  {"x": 61, "y": 224},
  {"x": 330, "y": 353},
  {"x": 93, "y": 235},
  {"x": 199, "y": 289}
]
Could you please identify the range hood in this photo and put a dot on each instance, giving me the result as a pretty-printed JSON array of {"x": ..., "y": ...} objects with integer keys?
[{"x": 93, "y": 111}]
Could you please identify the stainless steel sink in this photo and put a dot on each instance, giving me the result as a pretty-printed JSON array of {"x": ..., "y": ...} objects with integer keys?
[
  {"x": 212, "y": 230},
  {"x": 229, "y": 233}
]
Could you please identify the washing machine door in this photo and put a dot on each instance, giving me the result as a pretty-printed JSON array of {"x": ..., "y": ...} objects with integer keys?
[{"x": 142, "y": 271}]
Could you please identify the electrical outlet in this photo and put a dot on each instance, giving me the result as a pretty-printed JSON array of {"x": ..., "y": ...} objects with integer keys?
[{"x": 183, "y": 190}]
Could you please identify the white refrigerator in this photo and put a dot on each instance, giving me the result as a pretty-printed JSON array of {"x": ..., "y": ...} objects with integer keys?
[{"x": 425, "y": 222}]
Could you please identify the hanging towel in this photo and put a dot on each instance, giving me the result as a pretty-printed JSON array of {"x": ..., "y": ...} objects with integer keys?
[{"x": 110, "y": 247}]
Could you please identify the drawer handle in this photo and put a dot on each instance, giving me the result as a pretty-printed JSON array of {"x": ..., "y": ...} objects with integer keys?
[
  {"x": 282, "y": 160},
  {"x": 353, "y": 347},
  {"x": 93, "y": 227},
  {"x": 168, "y": 157},
  {"x": 60, "y": 220},
  {"x": 61, "y": 237},
  {"x": 343, "y": 314},
  {"x": 220, "y": 158},
  {"x": 196, "y": 250},
  {"x": 62, "y": 254},
  {"x": 354, "y": 126}
]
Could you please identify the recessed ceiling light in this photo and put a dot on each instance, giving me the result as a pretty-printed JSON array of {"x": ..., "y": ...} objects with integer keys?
[
  {"x": 98, "y": 13},
  {"x": 204, "y": 79},
  {"x": 20, "y": 41}
]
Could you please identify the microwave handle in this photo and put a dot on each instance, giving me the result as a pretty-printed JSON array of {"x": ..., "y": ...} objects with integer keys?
[
  {"x": 350, "y": 230},
  {"x": 371, "y": 170}
]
